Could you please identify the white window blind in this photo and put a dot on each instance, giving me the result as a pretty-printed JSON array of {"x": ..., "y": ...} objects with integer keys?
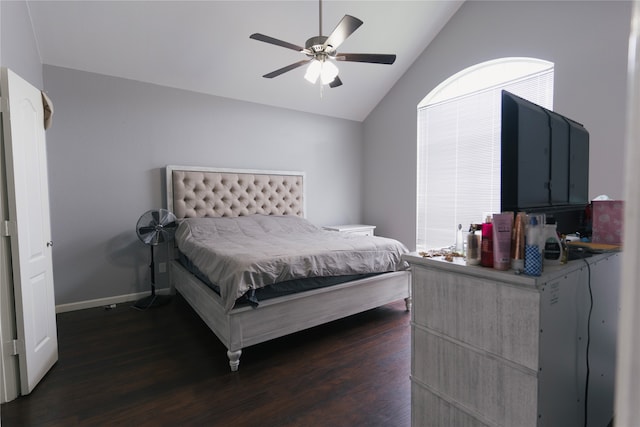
[{"x": 459, "y": 157}]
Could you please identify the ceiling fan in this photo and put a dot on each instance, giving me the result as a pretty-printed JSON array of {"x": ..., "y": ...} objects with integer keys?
[{"x": 321, "y": 52}]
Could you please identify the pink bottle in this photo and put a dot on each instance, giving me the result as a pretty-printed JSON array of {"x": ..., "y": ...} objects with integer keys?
[{"x": 486, "y": 256}]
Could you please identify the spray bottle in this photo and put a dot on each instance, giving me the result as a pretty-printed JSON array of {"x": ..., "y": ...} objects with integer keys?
[{"x": 533, "y": 246}]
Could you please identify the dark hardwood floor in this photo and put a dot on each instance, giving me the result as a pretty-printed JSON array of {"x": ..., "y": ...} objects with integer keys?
[{"x": 164, "y": 367}]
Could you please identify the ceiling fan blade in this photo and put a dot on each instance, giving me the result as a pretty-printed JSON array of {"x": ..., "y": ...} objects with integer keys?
[
  {"x": 336, "y": 82},
  {"x": 267, "y": 39},
  {"x": 282, "y": 70},
  {"x": 344, "y": 29},
  {"x": 374, "y": 58}
]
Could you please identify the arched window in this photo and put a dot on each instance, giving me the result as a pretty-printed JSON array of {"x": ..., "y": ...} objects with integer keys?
[{"x": 459, "y": 144}]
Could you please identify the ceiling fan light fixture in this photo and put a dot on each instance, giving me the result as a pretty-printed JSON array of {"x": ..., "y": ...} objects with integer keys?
[
  {"x": 328, "y": 72},
  {"x": 321, "y": 51},
  {"x": 313, "y": 71},
  {"x": 325, "y": 70}
]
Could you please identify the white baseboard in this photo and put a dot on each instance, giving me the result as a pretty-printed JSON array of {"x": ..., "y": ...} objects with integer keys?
[{"x": 109, "y": 301}]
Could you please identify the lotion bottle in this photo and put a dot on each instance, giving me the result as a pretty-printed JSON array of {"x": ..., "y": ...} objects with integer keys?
[
  {"x": 502, "y": 224},
  {"x": 553, "y": 250}
]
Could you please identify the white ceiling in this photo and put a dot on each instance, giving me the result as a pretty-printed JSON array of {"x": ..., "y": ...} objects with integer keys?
[{"x": 204, "y": 46}]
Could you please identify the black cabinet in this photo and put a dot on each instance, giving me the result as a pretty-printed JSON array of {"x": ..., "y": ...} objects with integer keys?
[{"x": 545, "y": 158}]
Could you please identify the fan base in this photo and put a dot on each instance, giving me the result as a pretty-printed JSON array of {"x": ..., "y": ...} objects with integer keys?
[{"x": 151, "y": 301}]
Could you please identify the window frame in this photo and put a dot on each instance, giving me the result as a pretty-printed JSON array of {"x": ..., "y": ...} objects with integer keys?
[{"x": 436, "y": 220}]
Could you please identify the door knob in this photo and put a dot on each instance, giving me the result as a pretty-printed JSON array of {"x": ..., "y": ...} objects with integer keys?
[{"x": 50, "y": 243}]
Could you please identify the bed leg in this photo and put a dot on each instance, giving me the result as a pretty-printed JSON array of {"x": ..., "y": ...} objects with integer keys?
[
  {"x": 407, "y": 303},
  {"x": 234, "y": 359}
]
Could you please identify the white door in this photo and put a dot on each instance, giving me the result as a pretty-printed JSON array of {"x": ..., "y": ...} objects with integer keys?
[{"x": 29, "y": 228}]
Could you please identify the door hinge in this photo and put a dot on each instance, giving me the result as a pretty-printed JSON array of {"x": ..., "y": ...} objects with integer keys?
[
  {"x": 7, "y": 228},
  {"x": 11, "y": 348},
  {"x": 15, "y": 345}
]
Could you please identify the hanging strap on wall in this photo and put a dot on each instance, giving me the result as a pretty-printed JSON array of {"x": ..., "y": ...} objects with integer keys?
[{"x": 48, "y": 110}]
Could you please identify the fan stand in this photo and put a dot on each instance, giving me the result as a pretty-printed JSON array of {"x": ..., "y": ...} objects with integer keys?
[{"x": 152, "y": 300}]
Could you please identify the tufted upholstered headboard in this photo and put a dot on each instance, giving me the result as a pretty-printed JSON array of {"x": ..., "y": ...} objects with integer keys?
[{"x": 194, "y": 192}]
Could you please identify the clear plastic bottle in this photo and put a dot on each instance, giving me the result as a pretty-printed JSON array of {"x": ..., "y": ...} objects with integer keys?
[
  {"x": 459, "y": 240},
  {"x": 517, "y": 242}
]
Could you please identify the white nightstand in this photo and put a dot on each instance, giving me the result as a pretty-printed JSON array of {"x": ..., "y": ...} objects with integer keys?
[{"x": 360, "y": 229}]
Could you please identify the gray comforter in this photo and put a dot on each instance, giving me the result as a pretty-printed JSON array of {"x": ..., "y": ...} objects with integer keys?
[{"x": 249, "y": 252}]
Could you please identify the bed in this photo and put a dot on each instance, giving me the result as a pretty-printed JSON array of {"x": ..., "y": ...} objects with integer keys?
[{"x": 219, "y": 200}]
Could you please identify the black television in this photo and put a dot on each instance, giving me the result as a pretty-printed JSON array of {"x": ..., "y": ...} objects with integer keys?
[{"x": 544, "y": 163}]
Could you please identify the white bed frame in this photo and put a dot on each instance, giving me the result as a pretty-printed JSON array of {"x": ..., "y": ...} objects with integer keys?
[{"x": 273, "y": 318}]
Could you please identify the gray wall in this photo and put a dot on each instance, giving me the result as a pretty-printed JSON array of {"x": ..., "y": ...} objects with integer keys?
[
  {"x": 587, "y": 41},
  {"x": 18, "y": 49},
  {"x": 111, "y": 139}
]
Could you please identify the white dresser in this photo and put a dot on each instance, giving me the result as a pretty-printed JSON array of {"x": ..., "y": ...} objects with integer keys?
[
  {"x": 361, "y": 229},
  {"x": 492, "y": 348}
]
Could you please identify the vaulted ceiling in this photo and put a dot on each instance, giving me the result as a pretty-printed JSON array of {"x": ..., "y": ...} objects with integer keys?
[{"x": 204, "y": 46}]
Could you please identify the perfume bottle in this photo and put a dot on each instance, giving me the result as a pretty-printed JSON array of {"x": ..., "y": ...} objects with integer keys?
[{"x": 474, "y": 243}]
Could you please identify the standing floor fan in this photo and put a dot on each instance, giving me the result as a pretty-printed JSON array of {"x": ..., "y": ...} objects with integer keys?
[{"x": 154, "y": 227}]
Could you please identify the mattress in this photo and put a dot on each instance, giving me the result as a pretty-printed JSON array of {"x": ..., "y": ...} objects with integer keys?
[
  {"x": 246, "y": 253},
  {"x": 255, "y": 296}
]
